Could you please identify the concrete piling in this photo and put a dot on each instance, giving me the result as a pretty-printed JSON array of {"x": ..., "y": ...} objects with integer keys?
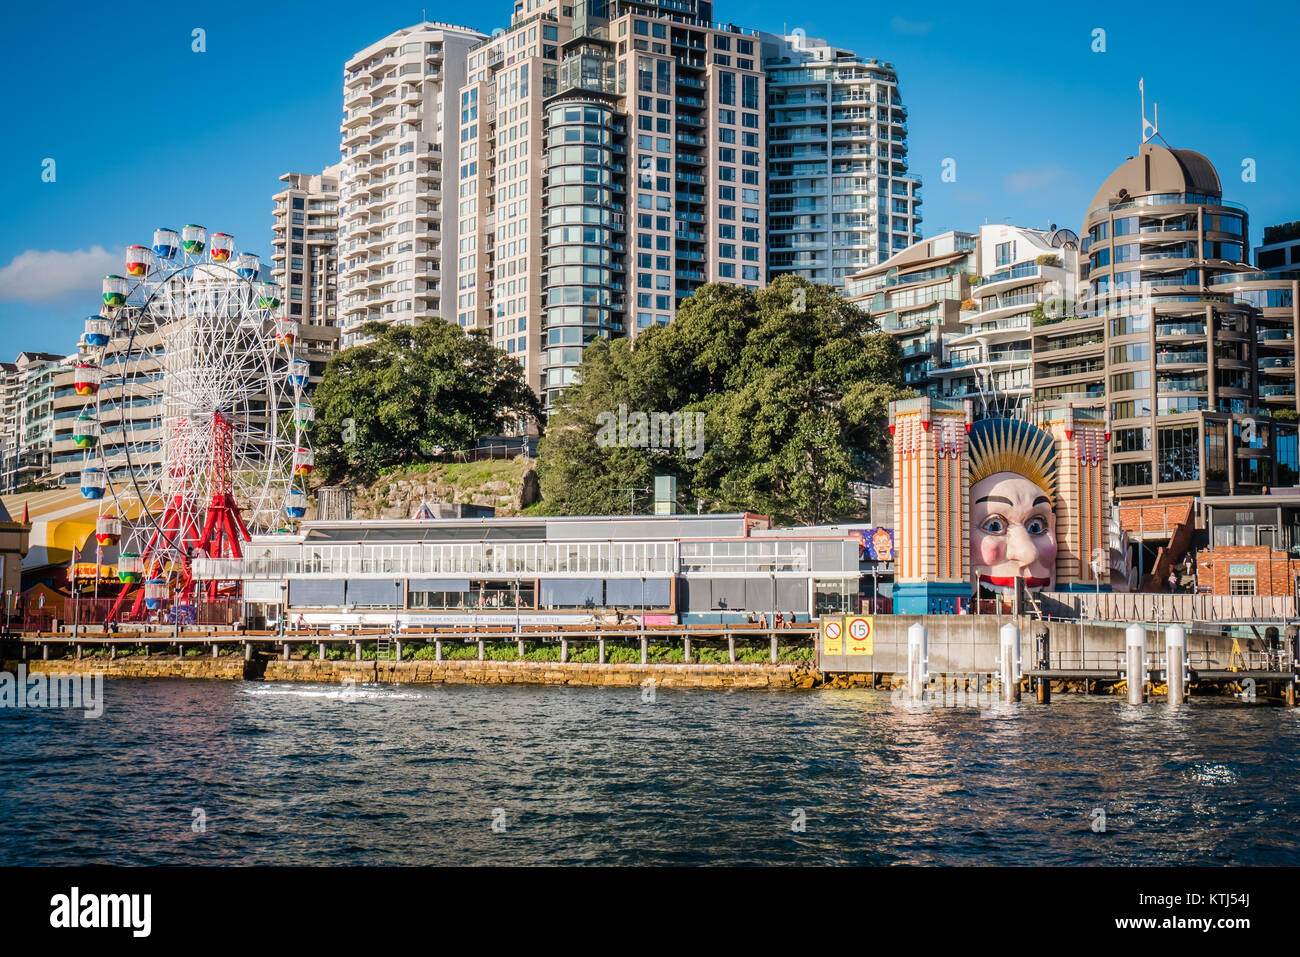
[
  {"x": 600, "y": 650},
  {"x": 645, "y": 649},
  {"x": 731, "y": 649},
  {"x": 917, "y": 660},
  {"x": 1135, "y": 643},
  {"x": 482, "y": 651},
  {"x": 1009, "y": 658},
  {"x": 1175, "y": 663},
  {"x": 774, "y": 651}
]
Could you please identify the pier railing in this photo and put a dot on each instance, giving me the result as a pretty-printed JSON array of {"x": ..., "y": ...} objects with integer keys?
[{"x": 1154, "y": 607}]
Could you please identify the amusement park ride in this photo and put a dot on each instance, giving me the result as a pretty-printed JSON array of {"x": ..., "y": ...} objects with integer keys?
[{"x": 193, "y": 330}]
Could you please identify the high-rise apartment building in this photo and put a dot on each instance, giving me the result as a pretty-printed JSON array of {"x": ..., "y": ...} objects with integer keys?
[
  {"x": 839, "y": 195},
  {"x": 1280, "y": 249},
  {"x": 1181, "y": 352},
  {"x": 917, "y": 296},
  {"x": 612, "y": 162},
  {"x": 1024, "y": 276},
  {"x": 401, "y": 118},
  {"x": 304, "y": 258},
  {"x": 30, "y": 392}
]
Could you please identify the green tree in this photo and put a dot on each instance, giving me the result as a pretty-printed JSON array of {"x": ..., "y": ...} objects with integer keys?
[
  {"x": 411, "y": 392},
  {"x": 792, "y": 381}
]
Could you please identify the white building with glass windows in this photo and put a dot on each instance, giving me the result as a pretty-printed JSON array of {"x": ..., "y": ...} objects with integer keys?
[
  {"x": 1023, "y": 274},
  {"x": 839, "y": 195},
  {"x": 662, "y": 569},
  {"x": 401, "y": 118}
]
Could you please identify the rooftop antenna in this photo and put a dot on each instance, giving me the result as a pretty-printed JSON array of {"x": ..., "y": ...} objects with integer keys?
[{"x": 1149, "y": 129}]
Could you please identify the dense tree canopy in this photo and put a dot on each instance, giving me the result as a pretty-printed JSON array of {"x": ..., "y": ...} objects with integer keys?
[
  {"x": 411, "y": 392},
  {"x": 791, "y": 382}
]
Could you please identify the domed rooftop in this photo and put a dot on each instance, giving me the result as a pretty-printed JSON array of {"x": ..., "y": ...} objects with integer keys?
[{"x": 1158, "y": 169}]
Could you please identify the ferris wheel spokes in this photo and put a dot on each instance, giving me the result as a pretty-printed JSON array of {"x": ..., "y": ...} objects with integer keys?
[{"x": 192, "y": 332}]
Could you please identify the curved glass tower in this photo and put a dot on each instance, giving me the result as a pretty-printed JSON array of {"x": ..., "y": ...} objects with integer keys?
[{"x": 584, "y": 222}]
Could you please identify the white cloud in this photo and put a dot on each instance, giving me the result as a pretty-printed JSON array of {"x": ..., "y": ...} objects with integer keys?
[
  {"x": 1029, "y": 180},
  {"x": 40, "y": 276}
]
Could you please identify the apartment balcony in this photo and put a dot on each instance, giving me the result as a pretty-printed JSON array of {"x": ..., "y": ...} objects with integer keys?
[
  {"x": 1276, "y": 365},
  {"x": 1168, "y": 330},
  {"x": 998, "y": 304},
  {"x": 1180, "y": 357}
]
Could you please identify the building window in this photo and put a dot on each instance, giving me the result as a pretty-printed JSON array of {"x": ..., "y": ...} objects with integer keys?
[
  {"x": 1179, "y": 454},
  {"x": 1241, "y": 586},
  {"x": 1006, "y": 252}
]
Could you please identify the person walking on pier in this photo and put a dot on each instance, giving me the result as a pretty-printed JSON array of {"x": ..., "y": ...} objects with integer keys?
[{"x": 1173, "y": 581}]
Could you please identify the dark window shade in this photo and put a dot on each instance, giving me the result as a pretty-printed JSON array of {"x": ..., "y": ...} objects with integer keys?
[
  {"x": 627, "y": 592},
  {"x": 792, "y": 594},
  {"x": 728, "y": 593},
  {"x": 571, "y": 592},
  {"x": 371, "y": 592},
  {"x": 315, "y": 593}
]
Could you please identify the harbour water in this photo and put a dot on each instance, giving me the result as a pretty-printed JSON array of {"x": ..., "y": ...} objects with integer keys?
[{"x": 207, "y": 772}]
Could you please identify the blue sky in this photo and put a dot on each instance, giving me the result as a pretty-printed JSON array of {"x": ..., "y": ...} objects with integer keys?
[{"x": 146, "y": 132}]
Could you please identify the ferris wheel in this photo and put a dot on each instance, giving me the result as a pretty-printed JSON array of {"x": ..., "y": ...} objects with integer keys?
[{"x": 195, "y": 428}]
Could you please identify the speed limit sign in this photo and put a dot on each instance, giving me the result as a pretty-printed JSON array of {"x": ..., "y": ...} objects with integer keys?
[{"x": 861, "y": 630}]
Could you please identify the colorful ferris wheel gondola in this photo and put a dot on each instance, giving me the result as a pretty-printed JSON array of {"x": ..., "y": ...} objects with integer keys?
[
  {"x": 304, "y": 416},
  {"x": 86, "y": 377},
  {"x": 286, "y": 332},
  {"x": 268, "y": 295},
  {"x": 304, "y": 461},
  {"x": 115, "y": 289},
  {"x": 194, "y": 239},
  {"x": 98, "y": 331},
  {"x": 85, "y": 431},
  {"x": 130, "y": 568},
  {"x": 222, "y": 247},
  {"x": 299, "y": 373},
  {"x": 248, "y": 266},
  {"x": 108, "y": 531},
  {"x": 155, "y": 593},
  {"x": 138, "y": 261},
  {"x": 166, "y": 242},
  {"x": 295, "y": 503},
  {"x": 93, "y": 484}
]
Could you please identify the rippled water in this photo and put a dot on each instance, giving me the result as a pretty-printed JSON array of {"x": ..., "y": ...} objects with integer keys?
[{"x": 311, "y": 774}]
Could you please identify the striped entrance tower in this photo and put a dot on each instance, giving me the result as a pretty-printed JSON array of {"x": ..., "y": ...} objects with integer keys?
[{"x": 931, "y": 504}]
